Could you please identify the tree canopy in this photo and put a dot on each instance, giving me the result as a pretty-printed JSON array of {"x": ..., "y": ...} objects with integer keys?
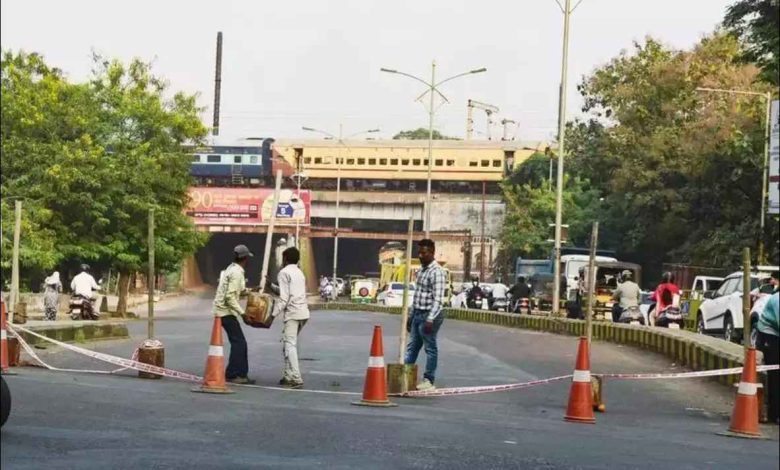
[
  {"x": 90, "y": 160},
  {"x": 757, "y": 24},
  {"x": 421, "y": 133}
]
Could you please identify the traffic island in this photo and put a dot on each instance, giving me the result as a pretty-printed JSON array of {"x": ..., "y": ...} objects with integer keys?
[{"x": 74, "y": 331}]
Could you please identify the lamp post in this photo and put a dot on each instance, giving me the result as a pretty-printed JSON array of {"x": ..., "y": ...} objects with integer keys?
[
  {"x": 339, "y": 161},
  {"x": 298, "y": 178},
  {"x": 432, "y": 89},
  {"x": 767, "y": 125}
]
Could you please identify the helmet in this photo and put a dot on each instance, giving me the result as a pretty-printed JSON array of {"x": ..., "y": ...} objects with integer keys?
[
  {"x": 627, "y": 274},
  {"x": 667, "y": 277},
  {"x": 85, "y": 267},
  {"x": 241, "y": 252}
]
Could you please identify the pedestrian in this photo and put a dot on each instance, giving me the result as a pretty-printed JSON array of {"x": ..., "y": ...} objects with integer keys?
[
  {"x": 232, "y": 285},
  {"x": 767, "y": 341},
  {"x": 427, "y": 315},
  {"x": 294, "y": 310},
  {"x": 51, "y": 298}
]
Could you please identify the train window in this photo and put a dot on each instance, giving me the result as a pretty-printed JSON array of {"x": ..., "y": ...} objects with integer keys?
[
  {"x": 394, "y": 161},
  {"x": 383, "y": 161},
  {"x": 485, "y": 163},
  {"x": 497, "y": 163},
  {"x": 214, "y": 158},
  {"x": 253, "y": 160},
  {"x": 327, "y": 160},
  {"x": 307, "y": 160},
  {"x": 404, "y": 162},
  {"x": 473, "y": 163},
  {"x": 236, "y": 158},
  {"x": 318, "y": 161},
  {"x": 450, "y": 162},
  {"x": 361, "y": 161},
  {"x": 372, "y": 161},
  {"x": 195, "y": 158},
  {"x": 416, "y": 162},
  {"x": 350, "y": 161},
  {"x": 439, "y": 162}
]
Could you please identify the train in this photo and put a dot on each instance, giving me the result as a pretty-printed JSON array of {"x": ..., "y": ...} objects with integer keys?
[{"x": 246, "y": 163}]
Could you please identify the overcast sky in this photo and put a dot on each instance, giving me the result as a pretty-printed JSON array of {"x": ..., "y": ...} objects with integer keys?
[{"x": 316, "y": 63}]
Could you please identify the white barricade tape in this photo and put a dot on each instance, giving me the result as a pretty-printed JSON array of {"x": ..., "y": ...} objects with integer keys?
[
  {"x": 481, "y": 389},
  {"x": 686, "y": 375},
  {"x": 118, "y": 361}
]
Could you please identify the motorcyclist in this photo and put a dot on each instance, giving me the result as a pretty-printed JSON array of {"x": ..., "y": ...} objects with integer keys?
[
  {"x": 83, "y": 285},
  {"x": 666, "y": 295},
  {"x": 627, "y": 295},
  {"x": 520, "y": 290},
  {"x": 499, "y": 292},
  {"x": 474, "y": 292}
]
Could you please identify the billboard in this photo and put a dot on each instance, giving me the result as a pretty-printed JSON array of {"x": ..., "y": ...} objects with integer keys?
[
  {"x": 774, "y": 159},
  {"x": 247, "y": 206}
]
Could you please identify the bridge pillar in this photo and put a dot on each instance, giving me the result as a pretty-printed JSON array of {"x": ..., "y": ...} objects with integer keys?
[
  {"x": 190, "y": 273},
  {"x": 307, "y": 264}
]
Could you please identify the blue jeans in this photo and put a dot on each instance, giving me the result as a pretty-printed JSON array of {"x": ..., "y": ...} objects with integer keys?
[{"x": 418, "y": 338}]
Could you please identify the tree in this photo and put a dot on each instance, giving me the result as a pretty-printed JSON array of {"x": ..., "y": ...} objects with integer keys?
[
  {"x": 757, "y": 24},
  {"x": 678, "y": 168},
  {"x": 421, "y": 133}
]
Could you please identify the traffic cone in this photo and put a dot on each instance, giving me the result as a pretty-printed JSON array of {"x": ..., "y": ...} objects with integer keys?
[
  {"x": 375, "y": 388},
  {"x": 744, "y": 419},
  {"x": 4, "y": 356},
  {"x": 580, "y": 409},
  {"x": 214, "y": 377}
]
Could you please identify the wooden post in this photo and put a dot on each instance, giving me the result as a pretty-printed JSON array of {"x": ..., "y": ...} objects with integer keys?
[
  {"x": 151, "y": 277},
  {"x": 269, "y": 237},
  {"x": 594, "y": 238},
  {"x": 746, "y": 299},
  {"x": 14, "y": 297},
  {"x": 405, "y": 302}
]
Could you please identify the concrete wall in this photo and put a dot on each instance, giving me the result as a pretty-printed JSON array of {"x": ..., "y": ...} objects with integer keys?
[{"x": 461, "y": 214}]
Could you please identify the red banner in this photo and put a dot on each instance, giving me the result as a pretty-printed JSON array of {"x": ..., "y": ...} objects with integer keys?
[{"x": 247, "y": 206}]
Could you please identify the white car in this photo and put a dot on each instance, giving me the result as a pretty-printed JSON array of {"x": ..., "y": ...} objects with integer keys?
[
  {"x": 721, "y": 311},
  {"x": 393, "y": 294}
]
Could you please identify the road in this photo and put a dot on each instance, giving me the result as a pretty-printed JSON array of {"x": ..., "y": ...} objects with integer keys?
[{"x": 65, "y": 421}]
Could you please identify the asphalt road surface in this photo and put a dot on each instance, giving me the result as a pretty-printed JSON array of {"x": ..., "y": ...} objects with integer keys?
[{"x": 80, "y": 421}]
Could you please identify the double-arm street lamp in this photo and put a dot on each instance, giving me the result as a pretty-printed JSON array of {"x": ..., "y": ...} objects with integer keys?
[
  {"x": 339, "y": 161},
  {"x": 767, "y": 125},
  {"x": 432, "y": 88}
]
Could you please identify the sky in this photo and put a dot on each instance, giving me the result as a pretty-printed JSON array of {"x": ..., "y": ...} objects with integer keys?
[{"x": 317, "y": 63}]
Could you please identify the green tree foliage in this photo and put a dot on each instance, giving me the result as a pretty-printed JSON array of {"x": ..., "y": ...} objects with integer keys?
[
  {"x": 757, "y": 24},
  {"x": 92, "y": 159},
  {"x": 680, "y": 170},
  {"x": 421, "y": 133}
]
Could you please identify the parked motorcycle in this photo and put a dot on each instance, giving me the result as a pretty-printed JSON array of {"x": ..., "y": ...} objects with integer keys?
[{"x": 82, "y": 308}]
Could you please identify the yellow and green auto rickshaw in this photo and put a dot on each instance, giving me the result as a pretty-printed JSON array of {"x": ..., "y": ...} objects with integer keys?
[{"x": 363, "y": 291}]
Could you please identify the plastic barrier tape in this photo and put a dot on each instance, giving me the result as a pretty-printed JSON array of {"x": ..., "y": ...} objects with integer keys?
[
  {"x": 31, "y": 352},
  {"x": 481, "y": 389}
]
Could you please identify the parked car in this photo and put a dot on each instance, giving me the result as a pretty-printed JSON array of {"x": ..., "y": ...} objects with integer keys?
[
  {"x": 721, "y": 311},
  {"x": 393, "y": 295}
]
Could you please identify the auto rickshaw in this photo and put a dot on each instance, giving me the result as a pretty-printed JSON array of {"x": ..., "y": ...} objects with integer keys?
[{"x": 363, "y": 291}]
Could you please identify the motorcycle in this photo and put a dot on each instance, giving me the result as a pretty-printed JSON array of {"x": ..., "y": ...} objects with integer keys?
[
  {"x": 82, "y": 308},
  {"x": 521, "y": 305},
  {"x": 500, "y": 304},
  {"x": 671, "y": 317},
  {"x": 326, "y": 293},
  {"x": 632, "y": 316},
  {"x": 476, "y": 302}
]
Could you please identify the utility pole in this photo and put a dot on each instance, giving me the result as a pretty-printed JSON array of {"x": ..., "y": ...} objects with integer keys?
[
  {"x": 561, "y": 150},
  {"x": 746, "y": 299},
  {"x": 430, "y": 153},
  {"x": 482, "y": 241},
  {"x": 594, "y": 239},
  {"x": 339, "y": 161},
  {"x": 217, "y": 85},
  {"x": 15, "y": 261},
  {"x": 151, "y": 276}
]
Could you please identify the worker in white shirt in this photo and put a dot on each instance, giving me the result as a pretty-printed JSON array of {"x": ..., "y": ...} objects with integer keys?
[
  {"x": 294, "y": 311},
  {"x": 84, "y": 284}
]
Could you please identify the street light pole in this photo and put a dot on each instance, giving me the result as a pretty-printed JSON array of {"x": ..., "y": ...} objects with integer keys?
[
  {"x": 339, "y": 161},
  {"x": 432, "y": 87},
  {"x": 298, "y": 177},
  {"x": 764, "y": 181},
  {"x": 561, "y": 148}
]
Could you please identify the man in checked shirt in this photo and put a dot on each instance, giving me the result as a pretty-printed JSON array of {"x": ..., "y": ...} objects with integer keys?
[{"x": 427, "y": 316}]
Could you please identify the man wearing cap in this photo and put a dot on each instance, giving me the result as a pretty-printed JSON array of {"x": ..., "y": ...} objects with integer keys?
[
  {"x": 627, "y": 295},
  {"x": 232, "y": 284}
]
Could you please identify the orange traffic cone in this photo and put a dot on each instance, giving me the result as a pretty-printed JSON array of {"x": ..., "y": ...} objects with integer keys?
[
  {"x": 744, "y": 419},
  {"x": 580, "y": 409},
  {"x": 4, "y": 356},
  {"x": 214, "y": 378},
  {"x": 375, "y": 389}
]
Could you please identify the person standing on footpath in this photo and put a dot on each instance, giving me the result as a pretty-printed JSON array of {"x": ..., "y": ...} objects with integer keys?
[
  {"x": 427, "y": 315},
  {"x": 232, "y": 285},
  {"x": 293, "y": 308},
  {"x": 768, "y": 342},
  {"x": 51, "y": 297}
]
